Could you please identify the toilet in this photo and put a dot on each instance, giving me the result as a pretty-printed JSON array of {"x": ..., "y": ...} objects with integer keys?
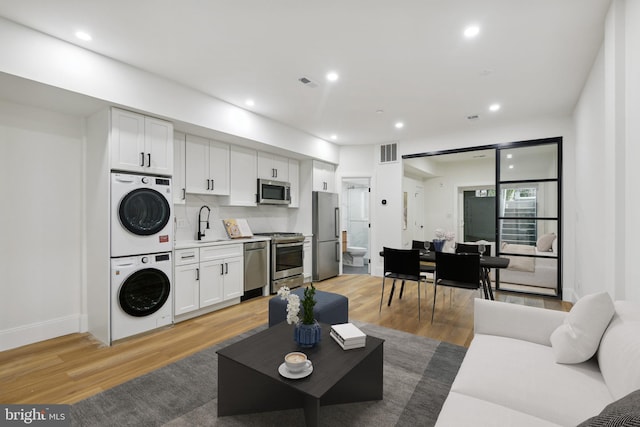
[{"x": 354, "y": 256}]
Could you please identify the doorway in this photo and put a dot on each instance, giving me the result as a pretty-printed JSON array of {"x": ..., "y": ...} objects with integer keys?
[
  {"x": 479, "y": 218},
  {"x": 355, "y": 225}
]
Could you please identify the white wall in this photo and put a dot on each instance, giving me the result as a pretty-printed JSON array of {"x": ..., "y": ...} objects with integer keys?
[
  {"x": 632, "y": 131},
  {"x": 607, "y": 154},
  {"x": 41, "y": 267},
  {"x": 60, "y": 64},
  {"x": 260, "y": 218},
  {"x": 442, "y": 191},
  {"x": 388, "y": 178},
  {"x": 589, "y": 215}
]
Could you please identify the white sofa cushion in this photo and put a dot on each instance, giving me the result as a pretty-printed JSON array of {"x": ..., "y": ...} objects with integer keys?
[
  {"x": 462, "y": 410},
  {"x": 577, "y": 339},
  {"x": 524, "y": 377},
  {"x": 619, "y": 350}
]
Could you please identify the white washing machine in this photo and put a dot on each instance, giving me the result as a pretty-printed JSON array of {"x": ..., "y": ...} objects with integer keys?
[
  {"x": 140, "y": 214},
  {"x": 141, "y": 294}
]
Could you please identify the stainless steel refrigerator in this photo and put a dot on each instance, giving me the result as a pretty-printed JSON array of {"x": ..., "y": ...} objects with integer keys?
[{"x": 326, "y": 235}]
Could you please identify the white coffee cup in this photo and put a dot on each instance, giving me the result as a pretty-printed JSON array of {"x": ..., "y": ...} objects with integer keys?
[{"x": 296, "y": 362}]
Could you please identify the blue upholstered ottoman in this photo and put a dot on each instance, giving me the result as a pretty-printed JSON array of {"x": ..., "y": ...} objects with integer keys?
[{"x": 330, "y": 308}]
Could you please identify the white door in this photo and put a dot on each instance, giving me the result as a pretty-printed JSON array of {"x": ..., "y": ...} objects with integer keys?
[
  {"x": 418, "y": 220},
  {"x": 158, "y": 146},
  {"x": 233, "y": 278},
  {"x": 186, "y": 295},
  {"x": 127, "y": 141},
  {"x": 197, "y": 162},
  {"x": 211, "y": 282},
  {"x": 219, "y": 168}
]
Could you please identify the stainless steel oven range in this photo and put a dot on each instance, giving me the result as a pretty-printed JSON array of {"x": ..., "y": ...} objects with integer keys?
[{"x": 286, "y": 260}]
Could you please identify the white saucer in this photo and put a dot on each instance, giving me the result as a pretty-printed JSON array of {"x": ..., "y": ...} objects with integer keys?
[{"x": 282, "y": 369}]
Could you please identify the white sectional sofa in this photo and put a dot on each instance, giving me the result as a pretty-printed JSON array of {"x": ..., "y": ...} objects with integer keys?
[{"x": 510, "y": 376}]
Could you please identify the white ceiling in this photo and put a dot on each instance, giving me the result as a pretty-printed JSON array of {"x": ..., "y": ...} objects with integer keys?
[{"x": 405, "y": 57}]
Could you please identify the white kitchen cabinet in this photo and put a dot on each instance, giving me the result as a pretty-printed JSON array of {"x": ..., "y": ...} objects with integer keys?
[
  {"x": 179, "y": 188},
  {"x": 324, "y": 176},
  {"x": 272, "y": 166},
  {"x": 211, "y": 282},
  {"x": 243, "y": 176},
  {"x": 140, "y": 143},
  {"x": 207, "y": 166},
  {"x": 307, "y": 260},
  {"x": 294, "y": 180},
  {"x": 222, "y": 275},
  {"x": 186, "y": 279}
]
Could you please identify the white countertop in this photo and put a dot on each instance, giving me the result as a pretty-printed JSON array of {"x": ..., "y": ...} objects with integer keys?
[{"x": 186, "y": 244}]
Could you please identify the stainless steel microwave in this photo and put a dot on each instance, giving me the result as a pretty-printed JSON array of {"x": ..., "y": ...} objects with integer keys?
[{"x": 273, "y": 192}]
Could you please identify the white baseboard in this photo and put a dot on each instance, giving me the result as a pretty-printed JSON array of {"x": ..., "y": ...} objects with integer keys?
[{"x": 40, "y": 331}]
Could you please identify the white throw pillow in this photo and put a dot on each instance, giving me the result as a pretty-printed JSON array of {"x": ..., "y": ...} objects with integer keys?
[
  {"x": 578, "y": 338},
  {"x": 545, "y": 241}
]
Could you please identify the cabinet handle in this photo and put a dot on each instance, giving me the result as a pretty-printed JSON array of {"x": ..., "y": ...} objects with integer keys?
[
  {"x": 141, "y": 159},
  {"x": 207, "y": 184},
  {"x": 148, "y": 159},
  {"x": 212, "y": 184},
  {"x": 184, "y": 194},
  {"x": 197, "y": 274},
  {"x": 226, "y": 268},
  {"x": 221, "y": 269}
]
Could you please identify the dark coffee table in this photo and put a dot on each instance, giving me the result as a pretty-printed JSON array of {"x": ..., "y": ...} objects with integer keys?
[{"x": 248, "y": 378}]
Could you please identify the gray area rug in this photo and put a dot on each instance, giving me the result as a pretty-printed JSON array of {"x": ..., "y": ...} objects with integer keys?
[{"x": 418, "y": 373}]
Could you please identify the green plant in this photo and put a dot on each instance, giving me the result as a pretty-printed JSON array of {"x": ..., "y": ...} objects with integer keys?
[{"x": 307, "y": 304}]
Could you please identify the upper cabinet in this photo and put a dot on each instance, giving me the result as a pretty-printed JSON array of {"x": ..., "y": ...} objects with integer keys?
[
  {"x": 179, "y": 189},
  {"x": 324, "y": 176},
  {"x": 244, "y": 178},
  {"x": 272, "y": 166},
  {"x": 140, "y": 143},
  {"x": 207, "y": 169},
  {"x": 294, "y": 180}
]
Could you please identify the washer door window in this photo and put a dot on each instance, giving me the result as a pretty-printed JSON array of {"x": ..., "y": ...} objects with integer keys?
[
  {"x": 144, "y": 212},
  {"x": 144, "y": 292}
]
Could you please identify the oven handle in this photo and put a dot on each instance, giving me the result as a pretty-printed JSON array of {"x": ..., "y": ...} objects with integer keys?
[{"x": 288, "y": 245}]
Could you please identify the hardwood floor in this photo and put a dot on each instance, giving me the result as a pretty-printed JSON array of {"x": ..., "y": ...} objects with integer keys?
[{"x": 71, "y": 368}]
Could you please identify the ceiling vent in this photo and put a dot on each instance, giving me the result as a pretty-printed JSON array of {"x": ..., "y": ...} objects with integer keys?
[
  {"x": 389, "y": 153},
  {"x": 308, "y": 82}
]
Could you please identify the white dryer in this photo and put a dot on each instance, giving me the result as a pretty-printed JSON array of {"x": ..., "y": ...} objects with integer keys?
[
  {"x": 140, "y": 214},
  {"x": 141, "y": 294}
]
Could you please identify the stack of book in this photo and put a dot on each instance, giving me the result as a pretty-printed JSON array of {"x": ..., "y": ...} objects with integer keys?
[{"x": 348, "y": 336}]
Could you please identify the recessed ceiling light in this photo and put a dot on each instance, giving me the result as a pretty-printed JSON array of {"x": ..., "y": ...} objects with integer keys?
[
  {"x": 334, "y": 137},
  {"x": 399, "y": 125},
  {"x": 494, "y": 107},
  {"x": 332, "y": 76},
  {"x": 509, "y": 156},
  {"x": 510, "y": 166},
  {"x": 471, "y": 31},
  {"x": 250, "y": 102},
  {"x": 82, "y": 35}
]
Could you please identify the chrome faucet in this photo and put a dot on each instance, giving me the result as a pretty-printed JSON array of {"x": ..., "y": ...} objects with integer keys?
[{"x": 201, "y": 232}]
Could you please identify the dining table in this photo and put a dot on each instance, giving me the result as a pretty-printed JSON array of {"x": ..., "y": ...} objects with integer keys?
[{"x": 486, "y": 264}]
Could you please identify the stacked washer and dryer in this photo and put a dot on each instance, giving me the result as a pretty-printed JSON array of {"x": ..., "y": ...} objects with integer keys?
[{"x": 141, "y": 252}]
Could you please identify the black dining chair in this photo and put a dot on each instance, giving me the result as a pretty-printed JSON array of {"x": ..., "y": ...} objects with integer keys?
[
  {"x": 460, "y": 270},
  {"x": 401, "y": 264},
  {"x": 424, "y": 267}
]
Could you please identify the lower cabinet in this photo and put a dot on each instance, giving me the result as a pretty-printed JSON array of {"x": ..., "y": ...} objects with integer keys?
[{"x": 207, "y": 276}]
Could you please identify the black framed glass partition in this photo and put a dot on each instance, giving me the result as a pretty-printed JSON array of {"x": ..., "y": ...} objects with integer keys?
[
  {"x": 508, "y": 195},
  {"x": 528, "y": 220}
]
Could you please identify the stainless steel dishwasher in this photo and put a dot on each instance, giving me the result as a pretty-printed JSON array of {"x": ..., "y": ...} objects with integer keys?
[{"x": 255, "y": 268}]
